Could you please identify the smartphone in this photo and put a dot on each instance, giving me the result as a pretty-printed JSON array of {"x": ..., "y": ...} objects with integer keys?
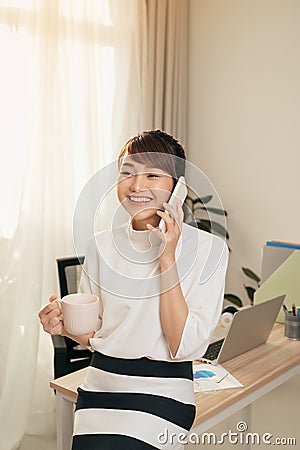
[{"x": 179, "y": 193}]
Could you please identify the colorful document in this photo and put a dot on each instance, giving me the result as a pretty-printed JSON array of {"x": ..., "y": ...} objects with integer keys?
[{"x": 208, "y": 378}]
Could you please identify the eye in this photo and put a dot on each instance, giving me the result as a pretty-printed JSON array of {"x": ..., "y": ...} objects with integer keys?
[
  {"x": 126, "y": 174},
  {"x": 152, "y": 175}
]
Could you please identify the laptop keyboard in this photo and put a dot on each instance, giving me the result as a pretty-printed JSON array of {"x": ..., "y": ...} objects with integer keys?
[{"x": 213, "y": 350}]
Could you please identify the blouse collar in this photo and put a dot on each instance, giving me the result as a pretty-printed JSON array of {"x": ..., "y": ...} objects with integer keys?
[{"x": 142, "y": 239}]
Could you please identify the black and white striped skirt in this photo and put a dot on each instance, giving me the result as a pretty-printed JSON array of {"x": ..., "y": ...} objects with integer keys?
[{"x": 133, "y": 404}]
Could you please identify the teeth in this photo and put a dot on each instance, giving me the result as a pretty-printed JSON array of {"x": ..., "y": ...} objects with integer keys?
[{"x": 140, "y": 199}]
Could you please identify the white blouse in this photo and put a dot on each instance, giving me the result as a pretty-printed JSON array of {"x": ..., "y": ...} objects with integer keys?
[{"x": 121, "y": 267}]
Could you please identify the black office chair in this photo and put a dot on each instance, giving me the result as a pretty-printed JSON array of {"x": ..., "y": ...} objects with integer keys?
[{"x": 69, "y": 356}]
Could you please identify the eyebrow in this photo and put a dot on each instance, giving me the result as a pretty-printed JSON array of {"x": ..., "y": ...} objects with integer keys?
[{"x": 127, "y": 164}]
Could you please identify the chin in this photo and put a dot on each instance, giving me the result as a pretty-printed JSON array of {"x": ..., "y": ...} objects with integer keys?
[
  {"x": 150, "y": 217},
  {"x": 141, "y": 216}
]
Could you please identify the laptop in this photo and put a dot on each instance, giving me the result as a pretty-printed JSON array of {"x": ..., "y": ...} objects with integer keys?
[{"x": 250, "y": 327}]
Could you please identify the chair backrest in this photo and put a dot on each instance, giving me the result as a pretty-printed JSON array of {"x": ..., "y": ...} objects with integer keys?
[
  {"x": 69, "y": 272},
  {"x": 68, "y": 355}
]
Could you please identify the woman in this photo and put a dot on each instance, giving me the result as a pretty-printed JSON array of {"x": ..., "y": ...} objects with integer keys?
[{"x": 158, "y": 309}]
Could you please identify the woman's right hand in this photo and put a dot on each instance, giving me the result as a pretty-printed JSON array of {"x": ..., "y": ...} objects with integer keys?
[{"x": 51, "y": 317}]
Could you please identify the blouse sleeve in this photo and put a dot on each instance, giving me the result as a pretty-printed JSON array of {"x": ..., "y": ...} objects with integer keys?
[{"x": 205, "y": 300}]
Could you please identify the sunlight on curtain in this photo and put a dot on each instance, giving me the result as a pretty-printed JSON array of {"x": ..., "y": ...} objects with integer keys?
[
  {"x": 15, "y": 51},
  {"x": 70, "y": 89}
]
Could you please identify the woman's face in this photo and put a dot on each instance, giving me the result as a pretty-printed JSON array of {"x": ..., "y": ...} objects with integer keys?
[{"x": 142, "y": 190}]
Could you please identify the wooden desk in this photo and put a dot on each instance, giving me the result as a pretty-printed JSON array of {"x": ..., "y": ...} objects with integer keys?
[{"x": 260, "y": 370}]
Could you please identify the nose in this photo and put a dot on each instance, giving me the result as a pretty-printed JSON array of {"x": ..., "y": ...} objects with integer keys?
[{"x": 138, "y": 183}]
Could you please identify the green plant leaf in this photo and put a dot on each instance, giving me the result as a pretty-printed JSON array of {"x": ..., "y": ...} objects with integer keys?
[
  {"x": 218, "y": 228},
  {"x": 213, "y": 226},
  {"x": 220, "y": 212},
  {"x": 250, "y": 291},
  {"x": 203, "y": 200},
  {"x": 251, "y": 274},
  {"x": 233, "y": 299},
  {"x": 204, "y": 225}
]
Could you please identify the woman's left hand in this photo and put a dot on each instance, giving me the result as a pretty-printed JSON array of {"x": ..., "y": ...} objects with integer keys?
[{"x": 173, "y": 226}]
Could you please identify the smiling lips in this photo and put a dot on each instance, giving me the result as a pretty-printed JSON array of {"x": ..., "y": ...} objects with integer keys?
[{"x": 139, "y": 200}]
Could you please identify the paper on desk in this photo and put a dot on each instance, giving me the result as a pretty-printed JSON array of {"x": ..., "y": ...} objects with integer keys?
[{"x": 213, "y": 378}]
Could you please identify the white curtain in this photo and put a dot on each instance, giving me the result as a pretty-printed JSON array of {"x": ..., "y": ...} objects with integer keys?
[
  {"x": 66, "y": 105},
  {"x": 77, "y": 78}
]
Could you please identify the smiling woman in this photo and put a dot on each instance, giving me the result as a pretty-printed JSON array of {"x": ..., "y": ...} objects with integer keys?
[
  {"x": 150, "y": 165},
  {"x": 156, "y": 314}
]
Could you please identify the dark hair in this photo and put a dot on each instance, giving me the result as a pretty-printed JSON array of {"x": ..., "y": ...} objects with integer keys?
[{"x": 145, "y": 145}]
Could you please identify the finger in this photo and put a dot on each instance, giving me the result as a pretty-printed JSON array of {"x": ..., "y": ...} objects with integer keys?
[
  {"x": 54, "y": 313},
  {"x": 58, "y": 330},
  {"x": 54, "y": 330},
  {"x": 157, "y": 231},
  {"x": 151, "y": 227},
  {"x": 49, "y": 323},
  {"x": 54, "y": 322},
  {"x": 176, "y": 212},
  {"x": 48, "y": 308},
  {"x": 171, "y": 220},
  {"x": 53, "y": 309},
  {"x": 168, "y": 218},
  {"x": 53, "y": 326},
  {"x": 171, "y": 210}
]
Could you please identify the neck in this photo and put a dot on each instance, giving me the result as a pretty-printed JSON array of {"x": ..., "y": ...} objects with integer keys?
[{"x": 141, "y": 225}]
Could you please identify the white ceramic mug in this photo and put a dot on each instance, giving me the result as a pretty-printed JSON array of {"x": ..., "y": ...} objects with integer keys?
[{"x": 80, "y": 313}]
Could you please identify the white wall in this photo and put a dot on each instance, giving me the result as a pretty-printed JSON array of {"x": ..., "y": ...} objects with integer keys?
[{"x": 244, "y": 119}]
